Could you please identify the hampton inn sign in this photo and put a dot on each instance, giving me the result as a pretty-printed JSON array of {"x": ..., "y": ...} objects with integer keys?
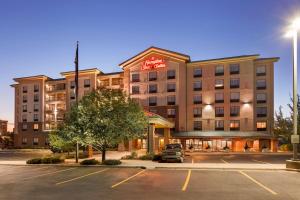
[{"x": 153, "y": 63}]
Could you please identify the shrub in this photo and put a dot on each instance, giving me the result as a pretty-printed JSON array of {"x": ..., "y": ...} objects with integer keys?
[
  {"x": 133, "y": 155},
  {"x": 111, "y": 162},
  {"x": 286, "y": 147},
  {"x": 52, "y": 160},
  {"x": 156, "y": 157},
  {"x": 148, "y": 156},
  {"x": 90, "y": 162},
  {"x": 34, "y": 161}
]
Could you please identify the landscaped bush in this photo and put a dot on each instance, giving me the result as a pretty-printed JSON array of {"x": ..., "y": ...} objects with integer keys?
[
  {"x": 90, "y": 162},
  {"x": 81, "y": 156},
  {"x": 34, "y": 161},
  {"x": 157, "y": 157},
  {"x": 148, "y": 156},
  {"x": 286, "y": 147},
  {"x": 133, "y": 155},
  {"x": 52, "y": 160},
  {"x": 111, "y": 162}
]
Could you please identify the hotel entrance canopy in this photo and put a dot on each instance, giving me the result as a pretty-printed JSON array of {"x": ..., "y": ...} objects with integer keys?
[
  {"x": 223, "y": 134},
  {"x": 158, "y": 121}
]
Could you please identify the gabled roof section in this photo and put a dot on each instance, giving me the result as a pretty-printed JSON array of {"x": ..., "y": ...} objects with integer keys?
[
  {"x": 227, "y": 59},
  {"x": 91, "y": 70},
  {"x": 273, "y": 59},
  {"x": 153, "y": 49},
  {"x": 31, "y": 78}
]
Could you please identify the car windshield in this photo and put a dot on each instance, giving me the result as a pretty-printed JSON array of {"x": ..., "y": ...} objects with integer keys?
[{"x": 173, "y": 146}]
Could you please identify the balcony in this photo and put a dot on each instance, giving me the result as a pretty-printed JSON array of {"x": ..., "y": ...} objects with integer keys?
[{"x": 57, "y": 88}]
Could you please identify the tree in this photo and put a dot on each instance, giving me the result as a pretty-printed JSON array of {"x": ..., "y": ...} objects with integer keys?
[
  {"x": 104, "y": 118},
  {"x": 283, "y": 125}
]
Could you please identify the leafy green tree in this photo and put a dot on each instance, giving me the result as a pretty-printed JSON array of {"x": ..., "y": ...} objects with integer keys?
[{"x": 283, "y": 125}]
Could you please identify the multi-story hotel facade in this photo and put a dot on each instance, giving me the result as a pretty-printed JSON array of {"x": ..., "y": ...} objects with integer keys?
[{"x": 208, "y": 105}]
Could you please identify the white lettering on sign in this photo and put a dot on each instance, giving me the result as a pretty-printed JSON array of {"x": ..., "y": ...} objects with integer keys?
[{"x": 153, "y": 63}]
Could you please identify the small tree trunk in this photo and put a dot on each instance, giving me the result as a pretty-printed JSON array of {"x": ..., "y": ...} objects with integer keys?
[{"x": 103, "y": 154}]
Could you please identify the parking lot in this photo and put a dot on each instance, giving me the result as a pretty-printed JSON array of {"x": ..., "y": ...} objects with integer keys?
[{"x": 54, "y": 182}]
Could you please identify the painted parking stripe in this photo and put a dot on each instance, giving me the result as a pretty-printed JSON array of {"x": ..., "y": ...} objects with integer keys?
[
  {"x": 127, "y": 179},
  {"x": 80, "y": 177},
  {"x": 258, "y": 183},
  {"x": 260, "y": 161},
  {"x": 49, "y": 173},
  {"x": 187, "y": 180},
  {"x": 224, "y": 161}
]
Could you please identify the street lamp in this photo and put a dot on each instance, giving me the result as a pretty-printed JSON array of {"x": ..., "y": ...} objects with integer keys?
[{"x": 293, "y": 32}]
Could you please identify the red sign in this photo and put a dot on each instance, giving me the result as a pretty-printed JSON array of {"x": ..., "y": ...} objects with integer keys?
[{"x": 153, "y": 63}]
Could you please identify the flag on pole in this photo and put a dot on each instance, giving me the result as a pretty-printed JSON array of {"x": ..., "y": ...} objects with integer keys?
[{"x": 76, "y": 74}]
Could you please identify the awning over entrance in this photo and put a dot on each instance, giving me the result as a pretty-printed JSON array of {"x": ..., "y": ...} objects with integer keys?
[
  {"x": 158, "y": 121},
  {"x": 223, "y": 134}
]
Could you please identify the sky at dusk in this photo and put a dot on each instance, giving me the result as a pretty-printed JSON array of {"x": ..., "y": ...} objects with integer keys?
[{"x": 39, "y": 36}]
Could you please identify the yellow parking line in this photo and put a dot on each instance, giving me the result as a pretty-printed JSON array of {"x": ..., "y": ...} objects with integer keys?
[
  {"x": 127, "y": 179},
  {"x": 224, "y": 161},
  {"x": 187, "y": 180},
  {"x": 73, "y": 179},
  {"x": 58, "y": 171},
  {"x": 258, "y": 183},
  {"x": 260, "y": 161}
]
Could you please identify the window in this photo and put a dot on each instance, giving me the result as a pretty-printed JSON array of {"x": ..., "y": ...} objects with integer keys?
[
  {"x": 24, "y": 117},
  {"x": 24, "y": 127},
  {"x": 47, "y": 126},
  {"x": 234, "y": 97},
  {"x": 234, "y": 125},
  {"x": 24, "y": 89},
  {"x": 234, "y": 68},
  {"x": 153, "y": 88},
  {"x": 35, "y": 127},
  {"x": 171, "y": 74},
  {"x": 219, "y": 84},
  {"x": 135, "y": 77},
  {"x": 104, "y": 83},
  {"x": 152, "y": 101},
  {"x": 219, "y": 112},
  {"x": 135, "y": 89},
  {"x": 35, "y": 141},
  {"x": 36, "y": 88},
  {"x": 234, "y": 111},
  {"x": 261, "y": 98},
  {"x": 219, "y": 98},
  {"x": 197, "y": 86},
  {"x": 261, "y": 84},
  {"x": 87, "y": 83},
  {"x": 261, "y": 126},
  {"x": 36, "y": 97},
  {"x": 152, "y": 76},
  {"x": 197, "y": 112},
  {"x": 171, "y": 100},
  {"x": 171, "y": 113},
  {"x": 35, "y": 117},
  {"x": 219, "y": 125},
  {"x": 219, "y": 70},
  {"x": 24, "y": 108},
  {"x": 24, "y": 140},
  {"x": 24, "y": 98},
  {"x": 197, "y": 125},
  {"x": 261, "y": 70},
  {"x": 197, "y": 72},
  {"x": 36, "y": 107},
  {"x": 261, "y": 111},
  {"x": 197, "y": 99},
  {"x": 72, "y": 85},
  {"x": 116, "y": 81},
  {"x": 171, "y": 87},
  {"x": 234, "y": 83}
]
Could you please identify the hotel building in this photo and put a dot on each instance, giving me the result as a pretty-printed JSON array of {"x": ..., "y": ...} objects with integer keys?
[{"x": 207, "y": 105}]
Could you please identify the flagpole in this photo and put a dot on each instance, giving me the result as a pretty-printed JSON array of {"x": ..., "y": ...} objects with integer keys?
[{"x": 76, "y": 92}]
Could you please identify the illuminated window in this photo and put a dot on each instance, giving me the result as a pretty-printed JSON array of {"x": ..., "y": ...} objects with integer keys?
[
  {"x": 171, "y": 74},
  {"x": 197, "y": 86},
  {"x": 234, "y": 83},
  {"x": 35, "y": 141},
  {"x": 219, "y": 70},
  {"x": 261, "y": 98},
  {"x": 197, "y": 125},
  {"x": 234, "y": 97},
  {"x": 171, "y": 113},
  {"x": 234, "y": 68},
  {"x": 152, "y": 76},
  {"x": 219, "y": 84},
  {"x": 261, "y": 70},
  {"x": 261, "y": 84},
  {"x": 219, "y": 98},
  {"x": 219, "y": 125},
  {"x": 261, "y": 126},
  {"x": 234, "y": 125},
  {"x": 35, "y": 127},
  {"x": 171, "y": 100},
  {"x": 197, "y": 112},
  {"x": 197, "y": 72},
  {"x": 219, "y": 112}
]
